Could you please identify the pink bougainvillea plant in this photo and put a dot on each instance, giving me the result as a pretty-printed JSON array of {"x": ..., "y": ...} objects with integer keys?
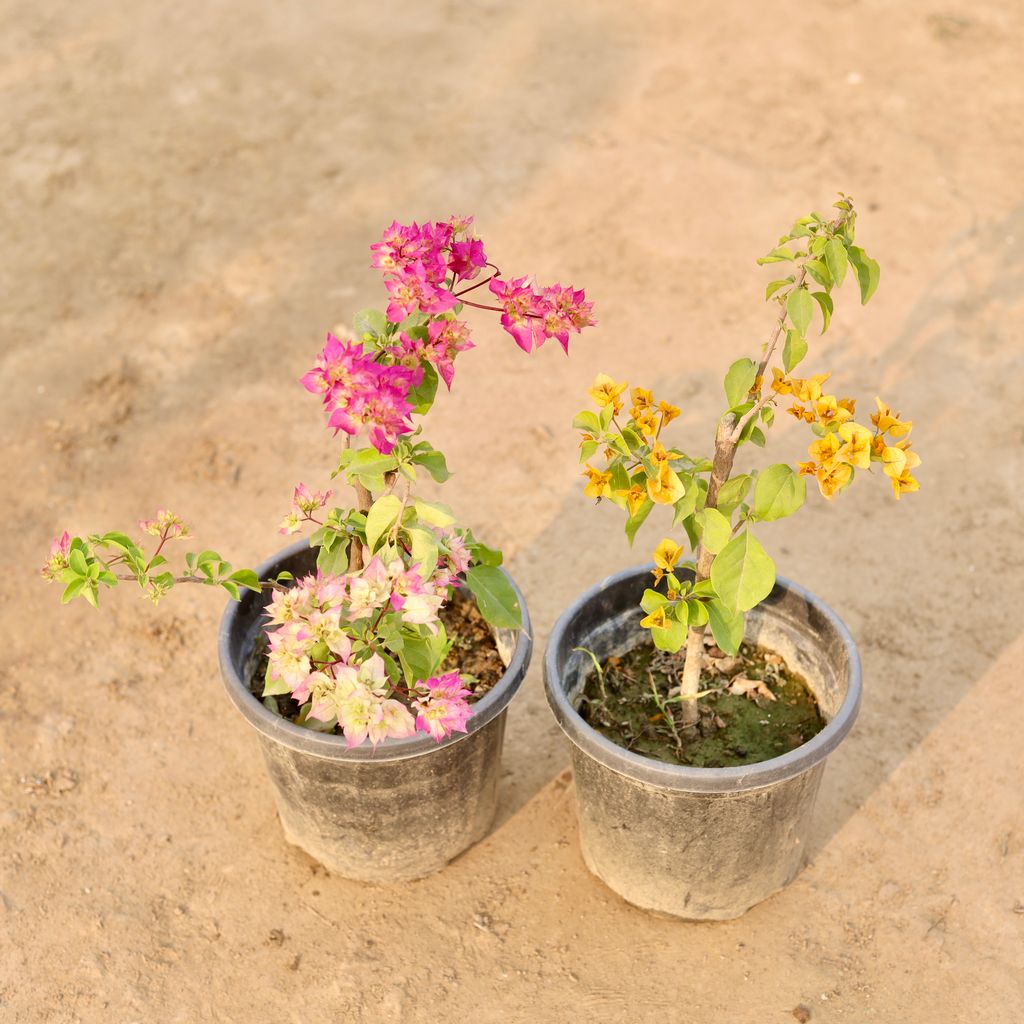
[{"x": 359, "y": 645}]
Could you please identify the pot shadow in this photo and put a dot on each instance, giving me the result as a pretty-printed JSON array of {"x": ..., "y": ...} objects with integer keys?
[{"x": 915, "y": 602}]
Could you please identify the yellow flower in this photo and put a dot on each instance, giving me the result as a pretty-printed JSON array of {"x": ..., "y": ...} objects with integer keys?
[
  {"x": 599, "y": 484},
  {"x": 904, "y": 484},
  {"x": 656, "y": 620},
  {"x": 668, "y": 412},
  {"x": 801, "y": 413},
  {"x": 830, "y": 411},
  {"x": 809, "y": 390},
  {"x": 635, "y": 497},
  {"x": 831, "y": 480},
  {"x": 642, "y": 400},
  {"x": 606, "y": 392},
  {"x": 889, "y": 422},
  {"x": 658, "y": 453},
  {"x": 666, "y": 554},
  {"x": 667, "y": 488},
  {"x": 894, "y": 461},
  {"x": 647, "y": 421},
  {"x": 849, "y": 404},
  {"x": 807, "y": 468},
  {"x": 781, "y": 384},
  {"x": 824, "y": 451},
  {"x": 857, "y": 449}
]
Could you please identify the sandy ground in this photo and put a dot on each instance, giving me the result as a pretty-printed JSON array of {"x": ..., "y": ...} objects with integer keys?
[{"x": 188, "y": 191}]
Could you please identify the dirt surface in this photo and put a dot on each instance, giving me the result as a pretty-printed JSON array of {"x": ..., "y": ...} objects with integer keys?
[{"x": 188, "y": 193}]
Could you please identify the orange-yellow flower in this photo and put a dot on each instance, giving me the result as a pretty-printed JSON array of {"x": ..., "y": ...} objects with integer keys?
[
  {"x": 647, "y": 421},
  {"x": 830, "y": 411},
  {"x": 666, "y": 488},
  {"x": 606, "y": 392},
  {"x": 658, "y": 453},
  {"x": 656, "y": 620},
  {"x": 807, "y": 468},
  {"x": 889, "y": 422},
  {"x": 599, "y": 483},
  {"x": 781, "y": 384},
  {"x": 801, "y": 413},
  {"x": 857, "y": 449},
  {"x": 635, "y": 497},
  {"x": 809, "y": 390},
  {"x": 642, "y": 400},
  {"x": 904, "y": 482},
  {"x": 666, "y": 554},
  {"x": 668, "y": 412},
  {"x": 831, "y": 480},
  {"x": 824, "y": 450}
]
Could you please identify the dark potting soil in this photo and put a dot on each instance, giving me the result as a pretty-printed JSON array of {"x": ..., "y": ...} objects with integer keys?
[
  {"x": 757, "y": 710},
  {"x": 474, "y": 655}
]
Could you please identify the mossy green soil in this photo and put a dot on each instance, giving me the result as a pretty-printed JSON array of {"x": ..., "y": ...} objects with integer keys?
[{"x": 633, "y": 701}]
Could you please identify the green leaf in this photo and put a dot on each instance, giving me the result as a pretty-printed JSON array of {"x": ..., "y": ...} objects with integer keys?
[
  {"x": 587, "y": 421},
  {"x": 633, "y": 523},
  {"x": 825, "y": 302},
  {"x": 633, "y": 440},
  {"x": 688, "y": 502},
  {"x": 818, "y": 270},
  {"x": 495, "y": 597},
  {"x": 777, "y": 255},
  {"x": 715, "y": 529},
  {"x": 73, "y": 589},
  {"x": 726, "y": 626},
  {"x": 767, "y": 415},
  {"x": 333, "y": 559},
  {"x": 671, "y": 638},
  {"x": 697, "y": 613},
  {"x": 90, "y": 593},
  {"x": 779, "y": 493},
  {"x": 231, "y": 588},
  {"x": 433, "y": 462},
  {"x": 483, "y": 554},
  {"x": 742, "y": 573},
  {"x": 774, "y": 286},
  {"x": 868, "y": 272},
  {"x": 370, "y": 321},
  {"x": 246, "y": 578},
  {"x": 421, "y": 654},
  {"x": 836, "y": 259},
  {"x": 380, "y": 518},
  {"x": 733, "y": 491},
  {"x": 620, "y": 478},
  {"x": 755, "y": 435},
  {"x": 800, "y": 306},
  {"x": 78, "y": 562},
  {"x": 424, "y": 550},
  {"x": 652, "y": 600},
  {"x": 433, "y": 512},
  {"x": 739, "y": 380},
  {"x": 587, "y": 449},
  {"x": 422, "y": 397},
  {"x": 368, "y": 466},
  {"x": 794, "y": 350}
]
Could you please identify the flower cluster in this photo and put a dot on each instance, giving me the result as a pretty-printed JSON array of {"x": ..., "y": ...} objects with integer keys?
[
  {"x": 323, "y": 653},
  {"x": 165, "y": 525},
  {"x": 371, "y": 382},
  {"x": 360, "y": 391},
  {"x": 843, "y": 445},
  {"x": 60, "y": 549}
]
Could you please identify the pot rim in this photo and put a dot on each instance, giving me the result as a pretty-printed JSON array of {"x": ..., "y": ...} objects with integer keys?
[
  {"x": 684, "y": 777},
  {"x": 332, "y": 746}
]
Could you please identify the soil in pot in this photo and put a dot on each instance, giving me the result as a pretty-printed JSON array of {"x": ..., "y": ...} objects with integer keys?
[
  {"x": 758, "y": 709},
  {"x": 474, "y": 654}
]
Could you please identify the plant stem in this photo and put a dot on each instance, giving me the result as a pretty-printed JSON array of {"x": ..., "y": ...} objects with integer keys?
[
  {"x": 364, "y": 499},
  {"x": 689, "y": 685}
]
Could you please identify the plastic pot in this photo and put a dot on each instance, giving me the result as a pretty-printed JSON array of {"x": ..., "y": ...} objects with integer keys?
[
  {"x": 390, "y": 814},
  {"x": 698, "y": 843}
]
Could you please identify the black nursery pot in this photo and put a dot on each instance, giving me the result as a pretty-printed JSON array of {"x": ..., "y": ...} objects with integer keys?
[
  {"x": 390, "y": 814},
  {"x": 698, "y": 843}
]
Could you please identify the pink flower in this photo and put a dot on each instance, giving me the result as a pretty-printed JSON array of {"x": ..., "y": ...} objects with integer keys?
[
  {"x": 304, "y": 504},
  {"x": 566, "y": 310},
  {"x": 443, "y": 710},
  {"x": 467, "y": 258},
  {"x": 520, "y": 318},
  {"x": 412, "y": 290},
  {"x": 60, "y": 549}
]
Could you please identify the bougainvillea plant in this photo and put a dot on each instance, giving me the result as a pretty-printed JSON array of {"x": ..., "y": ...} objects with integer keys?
[
  {"x": 715, "y": 509},
  {"x": 359, "y": 645}
]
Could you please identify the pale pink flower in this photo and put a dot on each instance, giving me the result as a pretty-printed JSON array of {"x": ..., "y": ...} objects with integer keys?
[
  {"x": 390, "y": 718},
  {"x": 164, "y": 524},
  {"x": 443, "y": 709},
  {"x": 369, "y": 591}
]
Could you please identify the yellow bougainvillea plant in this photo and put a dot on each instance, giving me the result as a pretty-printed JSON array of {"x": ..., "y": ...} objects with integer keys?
[{"x": 715, "y": 510}]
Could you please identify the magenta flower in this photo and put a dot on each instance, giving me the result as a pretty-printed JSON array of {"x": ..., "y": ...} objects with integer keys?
[
  {"x": 60, "y": 549},
  {"x": 467, "y": 258},
  {"x": 413, "y": 290},
  {"x": 443, "y": 710}
]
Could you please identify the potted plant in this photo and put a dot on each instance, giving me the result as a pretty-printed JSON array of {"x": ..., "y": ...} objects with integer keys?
[
  {"x": 377, "y": 659},
  {"x": 702, "y": 697}
]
